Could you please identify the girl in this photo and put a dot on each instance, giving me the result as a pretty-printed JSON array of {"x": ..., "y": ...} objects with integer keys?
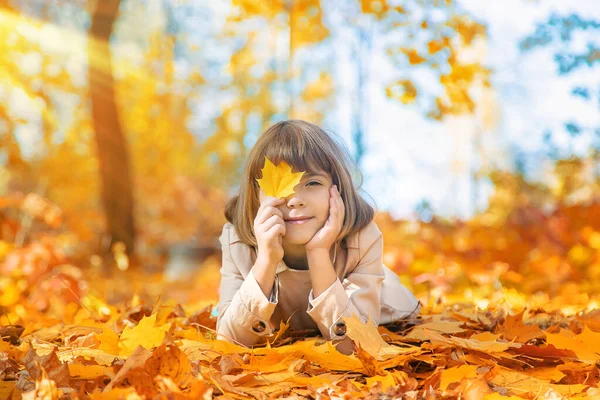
[{"x": 308, "y": 259}]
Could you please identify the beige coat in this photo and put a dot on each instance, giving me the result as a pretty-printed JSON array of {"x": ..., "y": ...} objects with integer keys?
[{"x": 365, "y": 287}]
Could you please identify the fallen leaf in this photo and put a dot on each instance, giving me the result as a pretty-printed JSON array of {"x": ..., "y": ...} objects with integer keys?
[
  {"x": 586, "y": 345},
  {"x": 144, "y": 334},
  {"x": 80, "y": 371},
  {"x": 386, "y": 380},
  {"x": 457, "y": 374},
  {"x": 368, "y": 337},
  {"x": 521, "y": 384},
  {"x": 515, "y": 329}
]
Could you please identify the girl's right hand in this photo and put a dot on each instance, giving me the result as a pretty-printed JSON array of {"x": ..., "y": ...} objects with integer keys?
[{"x": 269, "y": 229}]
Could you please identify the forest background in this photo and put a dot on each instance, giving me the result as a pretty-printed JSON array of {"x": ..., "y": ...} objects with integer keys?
[{"x": 124, "y": 126}]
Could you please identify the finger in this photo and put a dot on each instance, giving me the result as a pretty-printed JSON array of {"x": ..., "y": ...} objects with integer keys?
[
  {"x": 269, "y": 200},
  {"x": 338, "y": 196},
  {"x": 339, "y": 200},
  {"x": 271, "y": 210},
  {"x": 277, "y": 229},
  {"x": 335, "y": 195},
  {"x": 333, "y": 207},
  {"x": 272, "y": 221},
  {"x": 340, "y": 208},
  {"x": 265, "y": 211},
  {"x": 341, "y": 213}
]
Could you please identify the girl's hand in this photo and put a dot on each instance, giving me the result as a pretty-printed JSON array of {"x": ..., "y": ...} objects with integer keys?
[
  {"x": 328, "y": 234},
  {"x": 269, "y": 228}
]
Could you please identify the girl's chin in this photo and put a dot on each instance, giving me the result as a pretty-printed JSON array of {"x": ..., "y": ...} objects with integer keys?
[{"x": 297, "y": 239}]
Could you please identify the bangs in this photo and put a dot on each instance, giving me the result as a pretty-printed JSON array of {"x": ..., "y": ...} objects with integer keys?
[
  {"x": 298, "y": 150},
  {"x": 305, "y": 161}
]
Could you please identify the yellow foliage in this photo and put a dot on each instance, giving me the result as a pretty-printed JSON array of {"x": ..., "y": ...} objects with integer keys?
[
  {"x": 375, "y": 7},
  {"x": 479, "y": 326},
  {"x": 403, "y": 90},
  {"x": 464, "y": 75},
  {"x": 278, "y": 181},
  {"x": 586, "y": 345},
  {"x": 306, "y": 23},
  {"x": 456, "y": 374},
  {"x": 319, "y": 89},
  {"x": 144, "y": 334},
  {"x": 413, "y": 56},
  {"x": 250, "y": 8}
]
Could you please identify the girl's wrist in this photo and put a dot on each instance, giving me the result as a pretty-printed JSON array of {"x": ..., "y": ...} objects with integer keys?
[
  {"x": 318, "y": 249},
  {"x": 318, "y": 252},
  {"x": 265, "y": 263}
]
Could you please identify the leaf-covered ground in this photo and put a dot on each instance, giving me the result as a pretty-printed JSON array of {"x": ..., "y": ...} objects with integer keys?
[{"x": 510, "y": 310}]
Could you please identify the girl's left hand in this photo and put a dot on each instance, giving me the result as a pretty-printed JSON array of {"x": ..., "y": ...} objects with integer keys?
[{"x": 328, "y": 234}]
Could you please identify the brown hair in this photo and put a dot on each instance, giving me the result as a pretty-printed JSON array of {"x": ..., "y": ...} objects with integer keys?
[{"x": 305, "y": 147}]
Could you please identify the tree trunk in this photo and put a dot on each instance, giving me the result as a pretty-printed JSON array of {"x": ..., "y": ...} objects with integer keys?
[{"x": 113, "y": 156}]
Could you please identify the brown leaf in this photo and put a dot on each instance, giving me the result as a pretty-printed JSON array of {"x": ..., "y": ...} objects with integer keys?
[
  {"x": 369, "y": 362},
  {"x": 514, "y": 329},
  {"x": 48, "y": 364}
]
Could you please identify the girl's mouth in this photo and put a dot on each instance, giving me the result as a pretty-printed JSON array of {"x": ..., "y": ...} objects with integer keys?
[{"x": 298, "y": 221}]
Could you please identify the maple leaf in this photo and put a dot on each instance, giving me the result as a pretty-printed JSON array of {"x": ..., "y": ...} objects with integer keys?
[
  {"x": 109, "y": 341},
  {"x": 386, "y": 380},
  {"x": 586, "y": 345},
  {"x": 370, "y": 340},
  {"x": 278, "y": 181},
  {"x": 144, "y": 334},
  {"x": 456, "y": 374}
]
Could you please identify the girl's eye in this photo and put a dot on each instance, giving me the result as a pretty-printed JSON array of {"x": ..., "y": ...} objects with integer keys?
[{"x": 318, "y": 183}]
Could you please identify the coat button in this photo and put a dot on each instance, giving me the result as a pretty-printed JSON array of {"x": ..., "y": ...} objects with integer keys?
[
  {"x": 259, "y": 326},
  {"x": 339, "y": 329}
]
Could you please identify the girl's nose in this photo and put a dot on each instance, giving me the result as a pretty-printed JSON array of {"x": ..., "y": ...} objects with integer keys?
[{"x": 295, "y": 201}]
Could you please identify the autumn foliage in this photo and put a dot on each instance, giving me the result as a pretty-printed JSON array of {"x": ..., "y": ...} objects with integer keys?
[
  {"x": 509, "y": 310},
  {"x": 510, "y": 297}
]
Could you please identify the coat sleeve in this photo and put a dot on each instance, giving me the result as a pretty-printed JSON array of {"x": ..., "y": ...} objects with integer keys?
[
  {"x": 358, "y": 293},
  {"x": 243, "y": 310}
]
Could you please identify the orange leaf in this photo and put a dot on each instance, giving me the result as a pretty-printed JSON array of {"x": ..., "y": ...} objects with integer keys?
[
  {"x": 456, "y": 374},
  {"x": 144, "y": 334},
  {"x": 586, "y": 345}
]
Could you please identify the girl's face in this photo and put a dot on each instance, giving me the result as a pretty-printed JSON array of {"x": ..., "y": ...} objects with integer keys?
[{"x": 306, "y": 210}]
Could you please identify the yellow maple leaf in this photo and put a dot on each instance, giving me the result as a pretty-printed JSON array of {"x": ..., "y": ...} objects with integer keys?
[
  {"x": 144, "y": 334},
  {"x": 278, "y": 181},
  {"x": 80, "y": 371},
  {"x": 586, "y": 345},
  {"x": 368, "y": 337},
  {"x": 109, "y": 341},
  {"x": 386, "y": 381},
  {"x": 456, "y": 374},
  {"x": 364, "y": 334}
]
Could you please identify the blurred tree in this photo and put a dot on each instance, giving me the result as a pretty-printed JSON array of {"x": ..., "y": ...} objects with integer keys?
[
  {"x": 15, "y": 47},
  {"x": 439, "y": 36},
  {"x": 560, "y": 32},
  {"x": 113, "y": 153},
  {"x": 433, "y": 44},
  {"x": 46, "y": 129},
  {"x": 279, "y": 68},
  {"x": 574, "y": 178}
]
